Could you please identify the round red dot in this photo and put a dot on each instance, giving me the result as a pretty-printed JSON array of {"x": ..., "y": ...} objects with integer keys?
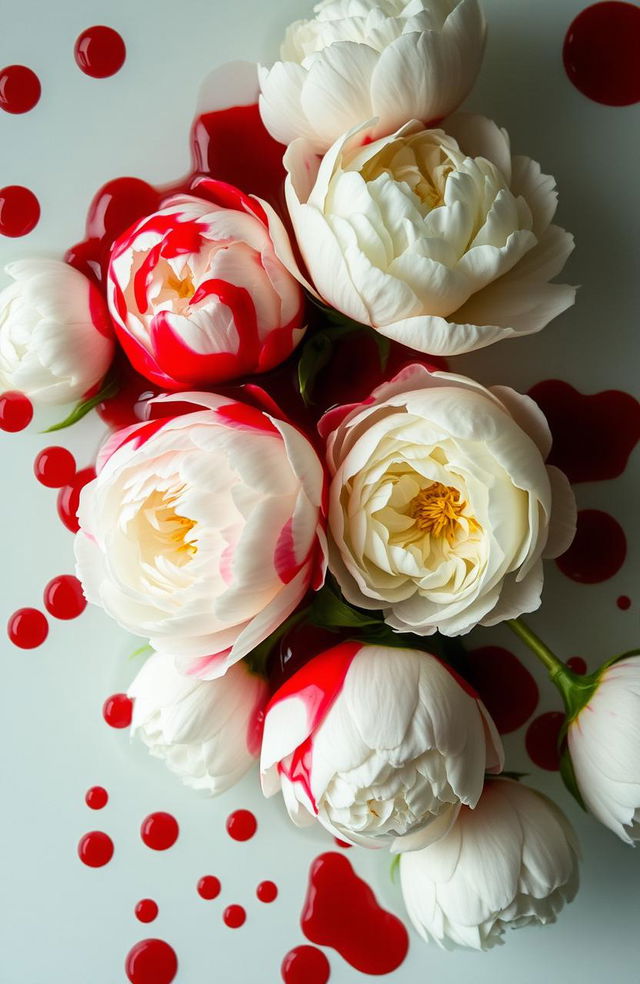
[
  {"x": 577, "y": 664},
  {"x": 241, "y": 825},
  {"x": 209, "y": 887},
  {"x": 151, "y": 962},
  {"x": 96, "y": 798},
  {"x": 69, "y": 498},
  {"x": 305, "y": 965},
  {"x": 600, "y": 53},
  {"x": 55, "y": 467},
  {"x": 19, "y": 211},
  {"x": 16, "y": 411},
  {"x": 159, "y": 831},
  {"x": 624, "y": 603},
  {"x": 63, "y": 597},
  {"x": 28, "y": 628},
  {"x": 19, "y": 89},
  {"x": 146, "y": 910},
  {"x": 542, "y": 739},
  {"x": 100, "y": 52},
  {"x": 95, "y": 849},
  {"x": 234, "y": 916},
  {"x": 117, "y": 711},
  {"x": 267, "y": 891}
]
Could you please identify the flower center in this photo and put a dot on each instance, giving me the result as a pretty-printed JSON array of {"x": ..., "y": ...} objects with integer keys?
[
  {"x": 171, "y": 528},
  {"x": 183, "y": 287},
  {"x": 438, "y": 510}
]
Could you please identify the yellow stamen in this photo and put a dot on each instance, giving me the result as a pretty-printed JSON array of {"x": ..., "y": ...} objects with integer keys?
[
  {"x": 438, "y": 510},
  {"x": 183, "y": 287}
]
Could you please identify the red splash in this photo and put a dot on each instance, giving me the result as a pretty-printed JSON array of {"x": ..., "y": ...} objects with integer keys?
[
  {"x": 267, "y": 891},
  {"x": 99, "y": 52},
  {"x": 69, "y": 498},
  {"x": 19, "y": 211},
  {"x": 64, "y": 597},
  {"x": 28, "y": 628},
  {"x": 209, "y": 887},
  {"x": 542, "y": 740},
  {"x": 600, "y": 53},
  {"x": 117, "y": 711},
  {"x": 19, "y": 89},
  {"x": 146, "y": 910},
  {"x": 305, "y": 965},
  {"x": 16, "y": 411},
  {"x": 96, "y": 798},
  {"x": 54, "y": 467},
  {"x": 151, "y": 962},
  {"x": 241, "y": 825},
  {"x": 159, "y": 831},
  {"x": 95, "y": 849},
  {"x": 234, "y": 916},
  {"x": 506, "y": 687},
  {"x": 623, "y": 603},
  {"x": 598, "y": 550}
]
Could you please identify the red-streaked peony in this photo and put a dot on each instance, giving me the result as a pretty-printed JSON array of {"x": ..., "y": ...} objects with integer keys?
[
  {"x": 438, "y": 239},
  {"x": 381, "y": 745},
  {"x": 441, "y": 505},
  {"x": 510, "y": 862},
  {"x": 197, "y": 293},
  {"x": 395, "y": 60},
  {"x": 207, "y": 731},
  {"x": 604, "y": 744},
  {"x": 56, "y": 337},
  {"x": 203, "y": 531}
]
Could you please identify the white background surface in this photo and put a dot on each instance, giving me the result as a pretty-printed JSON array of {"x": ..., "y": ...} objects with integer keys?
[{"x": 63, "y": 923}]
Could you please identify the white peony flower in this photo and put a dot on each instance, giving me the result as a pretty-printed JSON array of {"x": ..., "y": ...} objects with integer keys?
[
  {"x": 396, "y": 60},
  {"x": 381, "y": 745},
  {"x": 604, "y": 744},
  {"x": 207, "y": 731},
  {"x": 436, "y": 238},
  {"x": 202, "y": 531},
  {"x": 56, "y": 339},
  {"x": 511, "y": 861},
  {"x": 441, "y": 506}
]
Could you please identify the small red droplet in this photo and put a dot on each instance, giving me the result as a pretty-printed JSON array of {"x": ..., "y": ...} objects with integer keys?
[
  {"x": 16, "y": 411},
  {"x": 598, "y": 550},
  {"x": 209, "y": 887},
  {"x": 241, "y": 825},
  {"x": 100, "y": 52},
  {"x": 542, "y": 739},
  {"x": 342, "y": 843},
  {"x": 159, "y": 831},
  {"x": 601, "y": 53},
  {"x": 28, "y": 628},
  {"x": 305, "y": 965},
  {"x": 151, "y": 962},
  {"x": 577, "y": 664},
  {"x": 146, "y": 910},
  {"x": 64, "y": 598},
  {"x": 19, "y": 89},
  {"x": 54, "y": 467},
  {"x": 624, "y": 603},
  {"x": 117, "y": 711},
  {"x": 19, "y": 211},
  {"x": 267, "y": 891},
  {"x": 96, "y": 798},
  {"x": 234, "y": 916},
  {"x": 69, "y": 498},
  {"x": 95, "y": 849}
]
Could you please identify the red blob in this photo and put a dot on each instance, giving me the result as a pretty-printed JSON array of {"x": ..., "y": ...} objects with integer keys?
[
  {"x": 69, "y": 498},
  {"x": 95, "y": 849},
  {"x": 151, "y": 962},
  {"x": 209, "y": 887},
  {"x": 594, "y": 435},
  {"x": 99, "y": 52},
  {"x": 19, "y": 89},
  {"x": 598, "y": 550},
  {"x": 506, "y": 687},
  {"x": 117, "y": 711},
  {"x": 241, "y": 825},
  {"x": 600, "y": 53},
  {"x": 54, "y": 467},
  {"x": 159, "y": 831},
  {"x": 96, "y": 798},
  {"x": 577, "y": 665},
  {"x": 16, "y": 411},
  {"x": 624, "y": 603},
  {"x": 28, "y": 628},
  {"x": 64, "y": 598},
  {"x": 146, "y": 910},
  {"x": 267, "y": 891},
  {"x": 341, "y": 843},
  {"x": 234, "y": 916},
  {"x": 342, "y": 912},
  {"x": 542, "y": 740},
  {"x": 305, "y": 965},
  {"x": 19, "y": 211}
]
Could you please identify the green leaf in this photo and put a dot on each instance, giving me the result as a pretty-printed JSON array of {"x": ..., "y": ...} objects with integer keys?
[
  {"x": 393, "y": 870},
  {"x": 330, "y": 611},
  {"x": 141, "y": 651},
  {"x": 109, "y": 388},
  {"x": 316, "y": 354}
]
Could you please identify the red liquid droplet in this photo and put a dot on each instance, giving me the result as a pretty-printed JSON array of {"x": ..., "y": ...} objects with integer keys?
[
  {"x": 234, "y": 916},
  {"x": 95, "y": 849},
  {"x": 19, "y": 211},
  {"x": 600, "y": 53},
  {"x": 577, "y": 665},
  {"x": 542, "y": 739},
  {"x": 305, "y": 965},
  {"x": 19, "y": 89},
  {"x": 593, "y": 435},
  {"x": 96, "y": 798},
  {"x": 16, "y": 411},
  {"x": 28, "y": 628},
  {"x": 341, "y": 843},
  {"x": 506, "y": 687},
  {"x": 598, "y": 550},
  {"x": 69, "y": 498},
  {"x": 209, "y": 887},
  {"x": 63, "y": 597},
  {"x": 159, "y": 831},
  {"x": 146, "y": 910},
  {"x": 624, "y": 603},
  {"x": 151, "y": 962},
  {"x": 117, "y": 711},
  {"x": 55, "y": 467},
  {"x": 267, "y": 891},
  {"x": 342, "y": 912},
  {"x": 241, "y": 825},
  {"x": 100, "y": 52}
]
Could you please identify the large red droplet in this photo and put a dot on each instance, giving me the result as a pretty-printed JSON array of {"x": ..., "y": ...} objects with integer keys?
[
  {"x": 234, "y": 916},
  {"x": 100, "y": 52},
  {"x": 209, "y": 887},
  {"x": 342, "y": 912},
  {"x": 69, "y": 498},
  {"x": 159, "y": 831},
  {"x": 305, "y": 965},
  {"x": 241, "y": 825},
  {"x": 146, "y": 910},
  {"x": 64, "y": 597},
  {"x": 54, "y": 467},
  {"x": 542, "y": 738},
  {"x": 28, "y": 628},
  {"x": 600, "y": 53},
  {"x": 19, "y": 211},
  {"x": 95, "y": 849},
  {"x": 506, "y": 687},
  {"x": 267, "y": 891},
  {"x": 96, "y": 798},
  {"x": 16, "y": 411},
  {"x": 117, "y": 711},
  {"x": 151, "y": 962},
  {"x": 598, "y": 550},
  {"x": 19, "y": 89}
]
